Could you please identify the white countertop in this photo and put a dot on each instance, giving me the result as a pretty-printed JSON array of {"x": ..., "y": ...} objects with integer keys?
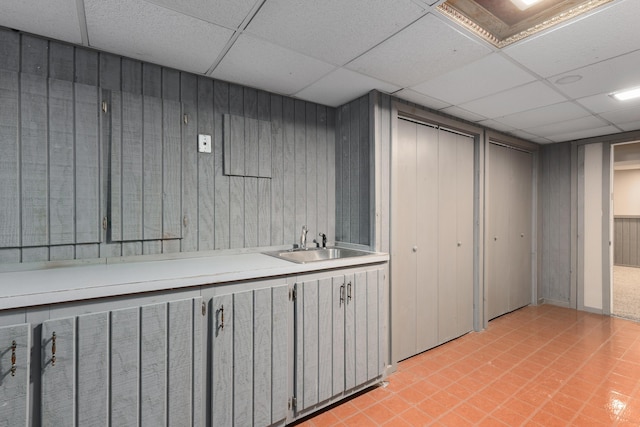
[{"x": 79, "y": 282}]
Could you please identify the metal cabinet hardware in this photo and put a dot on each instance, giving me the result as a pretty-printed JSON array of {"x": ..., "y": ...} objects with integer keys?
[
  {"x": 348, "y": 292},
  {"x": 13, "y": 358},
  {"x": 221, "y": 317},
  {"x": 341, "y": 294},
  {"x": 53, "y": 349}
]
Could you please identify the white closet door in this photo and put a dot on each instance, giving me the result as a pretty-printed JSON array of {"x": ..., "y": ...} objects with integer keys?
[
  {"x": 427, "y": 238},
  {"x": 403, "y": 259}
]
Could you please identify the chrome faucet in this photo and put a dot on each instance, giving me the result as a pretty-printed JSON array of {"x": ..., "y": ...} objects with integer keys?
[
  {"x": 303, "y": 237},
  {"x": 324, "y": 241}
]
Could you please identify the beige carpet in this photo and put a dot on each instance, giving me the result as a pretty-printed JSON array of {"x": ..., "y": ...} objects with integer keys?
[{"x": 626, "y": 292}]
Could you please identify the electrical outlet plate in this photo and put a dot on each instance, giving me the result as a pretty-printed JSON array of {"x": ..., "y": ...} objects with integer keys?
[{"x": 204, "y": 143}]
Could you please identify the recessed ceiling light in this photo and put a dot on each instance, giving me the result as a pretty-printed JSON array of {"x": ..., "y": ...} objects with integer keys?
[
  {"x": 625, "y": 95},
  {"x": 568, "y": 79},
  {"x": 524, "y": 4}
]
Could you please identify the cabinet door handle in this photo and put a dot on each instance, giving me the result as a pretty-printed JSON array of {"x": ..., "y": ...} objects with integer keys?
[
  {"x": 222, "y": 316},
  {"x": 13, "y": 358},
  {"x": 341, "y": 294},
  {"x": 53, "y": 349},
  {"x": 348, "y": 292}
]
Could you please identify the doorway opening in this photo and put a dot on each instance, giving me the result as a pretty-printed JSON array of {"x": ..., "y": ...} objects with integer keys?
[{"x": 625, "y": 207}]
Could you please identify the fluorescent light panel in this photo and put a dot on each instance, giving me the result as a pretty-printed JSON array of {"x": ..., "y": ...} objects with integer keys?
[
  {"x": 524, "y": 4},
  {"x": 625, "y": 95}
]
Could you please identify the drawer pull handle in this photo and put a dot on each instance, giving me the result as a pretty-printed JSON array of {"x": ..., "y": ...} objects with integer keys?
[
  {"x": 13, "y": 358},
  {"x": 341, "y": 294},
  {"x": 348, "y": 292},
  {"x": 222, "y": 317},
  {"x": 53, "y": 349}
]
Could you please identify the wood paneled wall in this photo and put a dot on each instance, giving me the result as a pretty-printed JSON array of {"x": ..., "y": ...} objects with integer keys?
[
  {"x": 626, "y": 240},
  {"x": 218, "y": 211},
  {"x": 353, "y": 172},
  {"x": 555, "y": 199}
]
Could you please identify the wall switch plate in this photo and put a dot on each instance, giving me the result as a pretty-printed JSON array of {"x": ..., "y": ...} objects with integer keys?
[{"x": 204, "y": 143}]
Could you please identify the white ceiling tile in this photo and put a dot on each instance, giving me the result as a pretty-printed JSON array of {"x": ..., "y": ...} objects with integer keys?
[
  {"x": 491, "y": 74},
  {"x": 544, "y": 115},
  {"x": 585, "y": 133},
  {"x": 226, "y": 13},
  {"x": 461, "y": 113},
  {"x": 528, "y": 136},
  {"x": 568, "y": 126},
  {"x": 57, "y": 19},
  {"x": 493, "y": 124},
  {"x": 342, "y": 86},
  {"x": 610, "y": 31},
  {"x": 625, "y": 115},
  {"x": 257, "y": 63},
  {"x": 427, "y": 48},
  {"x": 627, "y": 127},
  {"x": 603, "y": 102},
  {"x": 604, "y": 77},
  {"x": 144, "y": 31},
  {"x": 420, "y": 99},
  {"x": 523, "y": 98},
  {"x": 334, "y": 31}
]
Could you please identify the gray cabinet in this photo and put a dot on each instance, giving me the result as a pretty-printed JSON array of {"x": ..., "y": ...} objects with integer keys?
[
  {"x": 340, "y": 334},
  {"x": 135, "y": 366},
  {"x": 249, "y": 335},
  {"x": 432, "y": 237},
  {"x": 15, "y": 355}
]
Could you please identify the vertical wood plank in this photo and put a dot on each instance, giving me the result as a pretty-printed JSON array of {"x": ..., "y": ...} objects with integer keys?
[
  {"x": 349, "y": 333},
  {"x": 86, "y": 66},
  {"x": 93, "y": 369},
  {"x": 384, "y": 314},
  {"x": 243, "y": 358},
  {"x": 171, "y": 171},
  {"x": 153, "y": 365},
  {"x": 14, "y": 388},
  {"x": 35, "y": 56},
  {"x": 311, "y": 171},
  {"x": 87, "y": 164},
  {"x": 364, "y": 175},
  {"x": 221, "y": 185},
  {"x": 10, "y": 50},
  {"x": 151, "y": 80},
  {"x": 279, "y": 352},
  {"x": 264, "y": 212},
  {"x": 291, "y": 227},
  {"x": 360, "y": 298},
  {"x": 340, "y": 141},
  {"x": 152, "y": 145},
  {"x": 115, "y": 173},
  {"x": 300, "y": 165},
  {"x": 331, "y": 176},
  {"x": 346, "y": 171},
  {"x": 180, "y": 362},
  {"x": 236, "y": 209},
  {"x": 58, "y": 379},
  {"x": 189, "y": 96},
  {"x": 325, "y": 339},
  {"x": 298, "y": 331},
  {"x": 250, "y": 156},
  {"x": 235, "y": 140},
  {"x": 338, "y": 345},
  {"x": 222, "y": 325},
  {"x": 132, "y": 167},
  {"x": 264, "y": 146},
  {"x": 199, "y": 361},
  {"x": 10, "y": 215},
  {"x": 131, "y": 76},
  {"x": 277, "y": 172},
  {"x": 170, "y": 84},
  {"x": 354, "y": 172},
  {"x": 264, "y": 171},
  {"x": 262, "y": 333},
  {"x": 206, "y": 194},
  {"x": 34, "y": 167},
  {"x": 125, "y": 367},
  {"x": 385, "y": 131},
  {"x": 310, "y": 304},
  {"x": 251, "y": 146},
  {"x": 109, "y": 71},
  {"x": 250, "y": 212},
  {"x": 322, "y": 165},
  {"x": 373, "y": 333},
  {"x": 61, "y": 61}
]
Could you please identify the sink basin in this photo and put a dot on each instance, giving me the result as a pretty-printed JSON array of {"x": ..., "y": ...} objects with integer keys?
[{"x": 303, "y": 256}]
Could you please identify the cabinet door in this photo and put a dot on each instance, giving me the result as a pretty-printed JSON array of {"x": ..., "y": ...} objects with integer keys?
[
  {"x": 58, "y": 372},
  {"x": 249, "y": 357},
  {"x": 15, "y": 353}
]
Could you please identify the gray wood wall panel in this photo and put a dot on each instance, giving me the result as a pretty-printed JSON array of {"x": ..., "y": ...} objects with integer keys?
[
  {"x": 242, "y": 358},
  {"x": 338, "y": 342},
  {"x": 153, "y": 365},
  {"x": 58, "y": 374},
  {"x": 279, "y": 352},
  {"x": 180, "y": 363},
  {"x": 125, "y": 366},
  {"x": 325, "y": 339},
  {"x": 555, "y": 198},
  {"x": 92, "y": 370},
  {"x": 626, "y": 250},
  {"x": 222, "y": 323},
  {"x": 262, "y": 339},
  {"x": 213, "y": 211},
  {"x": 353, "y": 172},
  {"x": 171, "y": 171}
]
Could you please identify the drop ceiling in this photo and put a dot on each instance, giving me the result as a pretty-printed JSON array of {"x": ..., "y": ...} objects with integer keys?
[{"x": 552, "y": 86}]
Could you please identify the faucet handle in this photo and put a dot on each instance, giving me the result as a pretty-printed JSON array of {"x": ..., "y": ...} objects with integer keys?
[{"x": 324, "y": 239}]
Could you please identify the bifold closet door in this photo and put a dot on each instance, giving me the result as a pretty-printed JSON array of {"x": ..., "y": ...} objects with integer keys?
[
  {"x": 455, "y": 235},
  {"x": 509, "y": 216}
]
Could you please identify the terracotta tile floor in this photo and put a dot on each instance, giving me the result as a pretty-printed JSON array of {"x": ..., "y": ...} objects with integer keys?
[{"x": 538, "y": 366}]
